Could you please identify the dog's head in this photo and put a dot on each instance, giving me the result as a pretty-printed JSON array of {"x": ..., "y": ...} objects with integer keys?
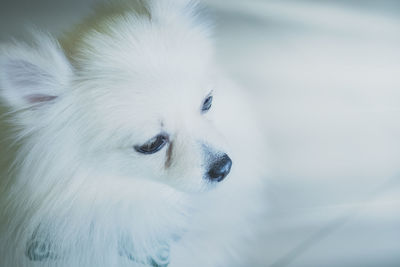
[{"x": 132, "y": 97}]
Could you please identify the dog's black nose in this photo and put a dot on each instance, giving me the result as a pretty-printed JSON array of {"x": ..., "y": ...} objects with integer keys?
[{"x": 220, "y": 168}]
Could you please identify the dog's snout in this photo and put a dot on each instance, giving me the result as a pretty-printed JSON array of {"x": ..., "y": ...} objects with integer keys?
[{"x": 220, "y": 168}]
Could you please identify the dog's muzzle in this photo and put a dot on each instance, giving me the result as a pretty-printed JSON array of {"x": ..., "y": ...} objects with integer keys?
[{"x": 220, "y": 168}]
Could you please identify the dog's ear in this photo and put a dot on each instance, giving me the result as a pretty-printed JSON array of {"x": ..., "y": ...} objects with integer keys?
[{"x": 33, "y": 75}]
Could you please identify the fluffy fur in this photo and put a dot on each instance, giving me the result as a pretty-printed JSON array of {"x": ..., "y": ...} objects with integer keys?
[{"x": 78, "y": 194}]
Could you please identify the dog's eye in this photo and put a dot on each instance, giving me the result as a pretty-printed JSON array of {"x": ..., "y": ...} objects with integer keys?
[
  {"x": 153, "y": 145},
  {"x": 207, "y": 104}
]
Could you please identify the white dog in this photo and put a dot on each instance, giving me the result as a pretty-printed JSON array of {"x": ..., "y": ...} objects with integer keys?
[{"x": 127, "y": 130}]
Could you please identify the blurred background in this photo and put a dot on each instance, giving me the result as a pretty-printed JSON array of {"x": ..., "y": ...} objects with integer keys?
[{"x": 325, "y": 77}]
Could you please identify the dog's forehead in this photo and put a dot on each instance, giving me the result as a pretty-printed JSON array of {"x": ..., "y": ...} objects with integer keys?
[
  {"x": 160, "y": 97},
  {"x": 143, "y": 57},
  {"x": 140, "y": 105},
  {"x": 137, "y": 73}
]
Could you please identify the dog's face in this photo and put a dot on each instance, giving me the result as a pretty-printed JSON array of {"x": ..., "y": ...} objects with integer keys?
[
  {"x": 157, "y": 111},
  {"x": 158, "y": 127},
  {"x": 141, "y": 102},
  {"x": 165, "y": 134}
]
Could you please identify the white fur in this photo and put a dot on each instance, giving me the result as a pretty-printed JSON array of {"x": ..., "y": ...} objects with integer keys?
[{"x": 78, "y": 183}]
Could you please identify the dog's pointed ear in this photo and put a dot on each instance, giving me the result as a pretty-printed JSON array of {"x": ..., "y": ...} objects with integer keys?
[{"x": 32, "y": 75}]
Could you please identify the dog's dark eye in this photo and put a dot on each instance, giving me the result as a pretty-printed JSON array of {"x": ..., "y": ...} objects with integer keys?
[
  {"x": 153, "y": 145},
  {"x": 207, "y": 104}
]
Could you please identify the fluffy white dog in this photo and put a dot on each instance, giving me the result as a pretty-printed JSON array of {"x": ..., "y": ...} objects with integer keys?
[{"x": 133, "y": 148}]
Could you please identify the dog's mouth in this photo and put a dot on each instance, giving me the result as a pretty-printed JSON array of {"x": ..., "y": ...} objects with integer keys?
[{"x": 216, "y": 171}]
